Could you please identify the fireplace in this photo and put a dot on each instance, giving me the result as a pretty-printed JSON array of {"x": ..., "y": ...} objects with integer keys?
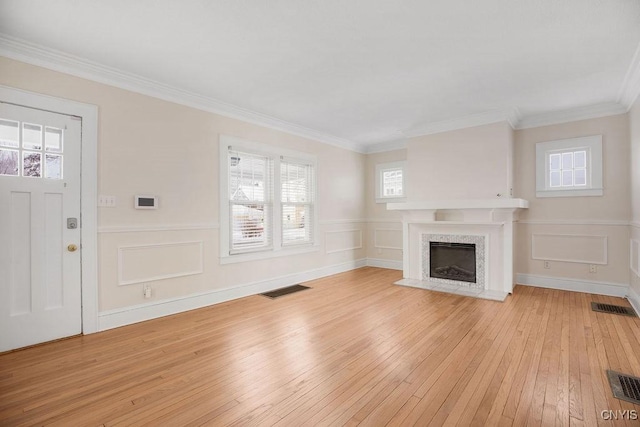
[
  {"x": 453, "y": 261},
  {"x": 484, "y": 224}
]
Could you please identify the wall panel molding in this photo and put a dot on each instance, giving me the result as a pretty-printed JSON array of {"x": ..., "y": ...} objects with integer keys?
[
  {"x": 358, "y": 239},
  {"x": 157, "y": 227},
  {"x": 133, "y": 257},
  {"x": 575, "y": 222},
  {"x": 125, "y": 316},
  {"x": 555, "y": 241},
  {"x": 376, "y": 239},
  {"x": 342, "y": 221}
]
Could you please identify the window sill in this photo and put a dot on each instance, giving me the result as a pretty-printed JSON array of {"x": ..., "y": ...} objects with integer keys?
[
  {"x": 589, "y": 192},
  {"x": 391, "y": 199},
  {"x": 256, "y": 256}
]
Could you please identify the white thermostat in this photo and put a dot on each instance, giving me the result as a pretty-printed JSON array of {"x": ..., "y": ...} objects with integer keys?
[{"x": 146, "y": 202}]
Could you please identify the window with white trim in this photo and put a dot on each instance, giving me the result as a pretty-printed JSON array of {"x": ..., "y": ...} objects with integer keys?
[
  {"x": 390, "y": 182},
  {"x": 250, "y": 201},
  {"x": 569, "y": 167},
  {"x": 297, "y": 189},
  {"x": 267, "y": 198}
]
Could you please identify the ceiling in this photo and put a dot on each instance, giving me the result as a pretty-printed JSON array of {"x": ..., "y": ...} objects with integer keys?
[{"x": 358, "y": 73}]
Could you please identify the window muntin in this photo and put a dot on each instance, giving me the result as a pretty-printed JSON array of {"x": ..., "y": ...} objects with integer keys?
[
  {"x": 390, "y": 181},
  {"x": 23, "y": 147},
  {"x": 569, "y": 167},
  {"x": 297, "y": 190}
]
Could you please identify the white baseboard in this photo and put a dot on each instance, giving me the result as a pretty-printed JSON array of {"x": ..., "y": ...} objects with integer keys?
[
  {"x": 634, "y": 299},
  {"x": 139, "y": 313},
  {"x": 384, "y": 263},
  {"x": 560, "y": 283}
]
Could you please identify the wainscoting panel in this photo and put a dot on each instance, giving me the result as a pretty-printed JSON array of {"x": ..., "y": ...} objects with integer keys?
[
  {"x": 343, "y": 240},
  {"x": 586, "y": 249},
  {"x": 146, "y": 263},
  {"x": 387, "y": 238}
]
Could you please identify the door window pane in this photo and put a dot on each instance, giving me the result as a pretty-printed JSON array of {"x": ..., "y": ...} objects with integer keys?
[
  {"x": 567, "y": 178},
  {"x": 554, "y": 179},
  {"x": 580, "y": 159},
  {"x": 580, "y": 177},
  {"x": 9, "y": 133},
  {"x": 53, "y": 139},
  {"x": 53, "y": 166},
  {"x": 9, "y": 162},
  {"x": 31, "y": 163},
  {"x": 567, "y": 160},
  {"x": 554, "y": 161},
  {"x": 31, "y": 136}
]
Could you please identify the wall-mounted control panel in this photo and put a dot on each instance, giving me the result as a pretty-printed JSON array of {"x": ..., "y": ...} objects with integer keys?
[{"x": 146, "y": 202}]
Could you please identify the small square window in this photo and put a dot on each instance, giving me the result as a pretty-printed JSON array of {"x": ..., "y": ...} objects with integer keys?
[
  {"x": 570, "y": 167},
  {"x": 390, "y": 182}
]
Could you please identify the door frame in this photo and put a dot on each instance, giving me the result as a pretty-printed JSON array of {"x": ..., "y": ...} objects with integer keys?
[{"x": 88, "y": 189}]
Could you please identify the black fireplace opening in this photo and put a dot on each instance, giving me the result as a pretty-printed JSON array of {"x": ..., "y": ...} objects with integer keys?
[{"x": 452, "y": 261}]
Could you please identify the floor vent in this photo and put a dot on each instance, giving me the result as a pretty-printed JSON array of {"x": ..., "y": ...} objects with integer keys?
[
  {"x": 625, "y": 387},
  {"x": 285, "y": 291},
  {"x": 613, "y": 309}
]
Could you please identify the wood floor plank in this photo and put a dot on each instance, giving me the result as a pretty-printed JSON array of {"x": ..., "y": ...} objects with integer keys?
[{"x": 353, "y": 350}]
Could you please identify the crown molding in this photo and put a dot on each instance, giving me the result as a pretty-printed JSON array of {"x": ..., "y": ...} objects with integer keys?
[
  {"x": 21, "y": 50},
  {"x": 381, "y": 147},
  {"x": 572, "y": 115},
  {"x": 630, "y": 88},
  {"x": 469, "y": 121}
]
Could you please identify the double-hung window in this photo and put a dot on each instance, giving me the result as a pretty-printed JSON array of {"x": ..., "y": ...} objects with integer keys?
[
  {"x": 250, "y": 201},
  {"x": 569, "y": 167},
  {"x": 297, "y": 191},
  {"x": 267, "y": 198}
]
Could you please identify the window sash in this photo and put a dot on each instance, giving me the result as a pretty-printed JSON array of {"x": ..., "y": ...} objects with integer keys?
[
  {"x": 568, "y": 169},
  {"x": 250, "y": 192},
  {"x": 297, "y": 202},
  {"x": 392, "y": 183}
]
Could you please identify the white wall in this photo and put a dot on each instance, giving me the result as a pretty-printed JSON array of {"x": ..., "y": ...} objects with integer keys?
[
  {"x": 472, "y": 163},
  {"x": 384, "y": 228},
  {"x": 548, "y": 229},
  {"x": 634, "y": 129},
  {"x": 150, "y": 146}
]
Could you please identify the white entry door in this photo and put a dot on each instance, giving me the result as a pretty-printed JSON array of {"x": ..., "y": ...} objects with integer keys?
[{"x": 40, "y": 288}]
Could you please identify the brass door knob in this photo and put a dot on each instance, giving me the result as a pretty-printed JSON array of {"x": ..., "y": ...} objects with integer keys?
[{"x": 72, "y": 248}]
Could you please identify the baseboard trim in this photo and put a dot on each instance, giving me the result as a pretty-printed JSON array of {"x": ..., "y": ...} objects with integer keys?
[
  {"x": 634, "y": 299},
  {"x": 575, "y": 285},
  {"x": 139, "y": 313},
  {"x": 384, "y": 263}
]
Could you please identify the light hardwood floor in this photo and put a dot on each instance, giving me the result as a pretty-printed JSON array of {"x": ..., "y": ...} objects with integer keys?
[{"x": 355, "y": 349}]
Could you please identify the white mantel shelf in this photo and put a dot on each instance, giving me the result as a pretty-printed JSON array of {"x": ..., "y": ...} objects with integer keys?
[{"x": 456, "y": 204}]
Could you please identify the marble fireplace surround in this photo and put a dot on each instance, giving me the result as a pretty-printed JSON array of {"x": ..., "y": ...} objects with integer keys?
[{"x": 489, "y": 219}]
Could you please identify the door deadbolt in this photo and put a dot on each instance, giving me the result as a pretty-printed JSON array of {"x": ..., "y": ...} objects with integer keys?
[{"x": 72, "y": 223}]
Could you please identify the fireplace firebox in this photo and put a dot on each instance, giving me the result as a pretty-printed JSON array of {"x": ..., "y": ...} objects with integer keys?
[{"x": 453, "y": 261}]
